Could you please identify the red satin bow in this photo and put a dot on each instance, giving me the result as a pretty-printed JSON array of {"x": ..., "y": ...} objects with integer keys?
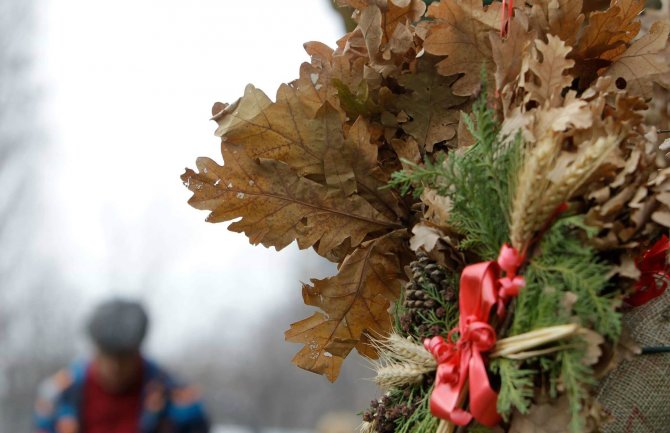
[
  {"x": 654, "y": 273},
  {"x": 462, "y": 363}
]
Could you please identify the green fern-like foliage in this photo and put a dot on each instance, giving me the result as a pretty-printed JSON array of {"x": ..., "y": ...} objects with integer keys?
[
  {"x": 565, "y": 264},
  {"x": 563, "y": 267},
  {"x": 480, "y": 184},
  {"x": 516, "y": 386},
  {"x": 477, "y": 179},
  {"x": 416, "y": 178}
]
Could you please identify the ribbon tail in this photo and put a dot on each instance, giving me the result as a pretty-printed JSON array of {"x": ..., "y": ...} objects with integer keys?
[
  {"x": 483, "y": 399},
  {"x": 446, "y": 394},
  {"x": 441, "y": 405}
]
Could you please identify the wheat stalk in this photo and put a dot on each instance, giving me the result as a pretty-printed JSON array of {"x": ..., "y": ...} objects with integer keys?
[
  {"x": 581, "y": 169},
  {"x": 401, "y": 362},
  {"x": 531, "y": 187},
  {"x": 396, "y": 375},
  {"x": 367, "y": 427},
  {"x": 402, "y": 349},
  {"x": 537, "y": 197}
]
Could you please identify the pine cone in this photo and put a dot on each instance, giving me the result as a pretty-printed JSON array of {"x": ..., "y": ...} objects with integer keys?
[
  {"x": 428, "y": 290},
  {"x": 384, "y": 413}
]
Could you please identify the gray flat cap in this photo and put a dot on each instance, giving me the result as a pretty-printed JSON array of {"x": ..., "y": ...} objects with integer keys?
[{"x": 118, "y": 326}]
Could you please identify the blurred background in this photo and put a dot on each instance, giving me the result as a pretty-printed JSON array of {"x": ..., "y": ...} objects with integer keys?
[{"x": 102, "y": 105}]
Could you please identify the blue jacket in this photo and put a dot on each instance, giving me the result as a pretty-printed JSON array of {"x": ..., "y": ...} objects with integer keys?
[{"x": 168, "y": 406}]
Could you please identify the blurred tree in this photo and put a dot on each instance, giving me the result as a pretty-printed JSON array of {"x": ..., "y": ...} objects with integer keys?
[{"x": 31, "y": 324}]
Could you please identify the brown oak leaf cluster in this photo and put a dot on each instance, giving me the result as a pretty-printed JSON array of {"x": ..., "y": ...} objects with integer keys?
[{"x": 311, "y": 165}]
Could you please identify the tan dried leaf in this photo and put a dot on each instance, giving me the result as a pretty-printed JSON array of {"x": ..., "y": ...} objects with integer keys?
[
  {"x": 283, "y": 130},
  {"x": 604, "y": 38},
  {"x": 425, "y": 237},
  {"x": 593, "y": 342},
  {"x": 438, "y": 207},
  {"x": 550, "y": 64},
  {"x": 430, "y": 106},
  {"x": 370, "y": 23},
  {"x": 355, "y": 304},
  {"x": 407, "y": 149},
  {"x": 575, "y": 114},
  {"x": 553, "y": 417},
  {"x": 642, "y": 62},
  {"x": 360, "y": 155},
  {"x": 276, "y": 207},
  {"x": 402, "y": 13},
  {"x": 508, "y": 53},
  {"x": 461, "y": 33},
  {"x": 561, "y": 18}
]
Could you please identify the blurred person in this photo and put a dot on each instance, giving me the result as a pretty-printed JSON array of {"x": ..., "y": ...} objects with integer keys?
[{"x": 118, "y": 390}]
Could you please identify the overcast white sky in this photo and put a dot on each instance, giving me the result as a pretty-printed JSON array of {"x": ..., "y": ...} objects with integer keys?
[{"x": 129, "y": 85}]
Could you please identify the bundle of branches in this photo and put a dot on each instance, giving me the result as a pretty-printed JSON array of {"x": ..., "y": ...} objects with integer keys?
[{"x": 491, "y": 184}]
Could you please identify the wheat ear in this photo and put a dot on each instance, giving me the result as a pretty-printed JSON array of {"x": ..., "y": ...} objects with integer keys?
[
  {"x": 531, "y": 187},
  {"x": 397, "y": 375},
  {"x": 367, "y": 427}
]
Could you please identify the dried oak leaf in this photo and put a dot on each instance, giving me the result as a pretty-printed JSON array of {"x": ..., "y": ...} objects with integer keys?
[
  {"x": 424, "y": 237},
  {"x": 642, "y": 62},
  {"x": 328, "y": 76},
  {"x": 359, "y": 155},
  {"x": 355, "y": 305},
  {"x": 437, "y": 207},
  {"x": 551, "y": 417},
  {"x": 430, "y": 105},
  {"x": 276, "y": 206},
  {"x": 461, "y": 33},
  {"x": 604, "y": 38},
  {"x": 509, "y": 52},
  {"x": 385, "y": 26},
  {"x": 562, "y": 18},
  {"x": 549, "y": 64},
  {"x": 283, "y": 130}
]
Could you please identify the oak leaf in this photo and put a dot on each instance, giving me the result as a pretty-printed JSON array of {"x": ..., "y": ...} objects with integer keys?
[
  {"x": 329, "y": 72},
  {"x": 562, "y": 18},
  {"x": 282, "y": 130},
  {"x": 461, "y": 33},
  {"x": 549, "y": 64},
  {"x": 351, "y": 165},
  {"x": 509, "y": 52},
  {"x": 551, "y": 417},
  {"x": 402, "y": 12},
  {"x": 437, "y": 207},
  {"x": 370, "y": 23},
  {"x": 605, "y": 38},
  {"x": 385, "y": 25},
  {"x": 276, "y": 206},
  {"x": 642, "y": 62},
  {"x": 425, "y": 236},
  {"x": 430, "y": 105},
  {"x": 355, "y": 305}
]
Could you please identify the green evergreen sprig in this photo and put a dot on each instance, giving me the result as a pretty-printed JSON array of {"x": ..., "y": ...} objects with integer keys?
[
  {"x": 416, "y": 178},
  {"x": 481, "y": 180},
  {"x": 516, "y": 386},
  {"x": 563, "y": 266}
]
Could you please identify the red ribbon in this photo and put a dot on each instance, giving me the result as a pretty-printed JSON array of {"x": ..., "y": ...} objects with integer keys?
[
  {"x": 654, "y": 273},
  {"x": 506, "y": 15},
  {"x": 462, "y": 363}
]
